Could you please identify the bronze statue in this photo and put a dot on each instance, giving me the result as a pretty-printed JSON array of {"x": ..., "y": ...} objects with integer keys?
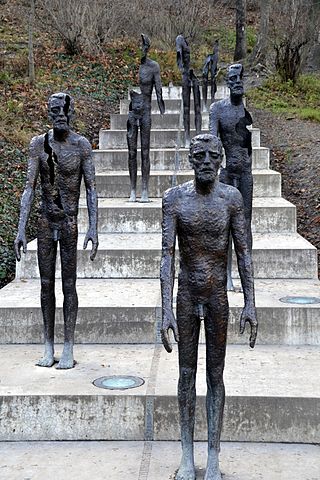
[
  {"x": 61, "y": 158},
  {"x": 210, "y": 66},
  {"x": 140, "y": 115},
  {"x": 189, "y": 81},
  {"x": 229, "y": 119},
  {"x": 202, "y": 213}
]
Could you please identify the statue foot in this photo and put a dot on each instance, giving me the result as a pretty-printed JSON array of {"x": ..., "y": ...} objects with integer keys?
[
  {"x": 65, "y": 363},
  {"x": 213, "y": 474},
  {"x": 144, "y": 197},
  {"x": 66, "y": 360},
  {"x": 133, "y": 197},
  {"x": 46, "y": 361},
  {"x": 213, "y": 470},
  {"x": 186, "y": 471},
  {"x": 48, "y": 358}
]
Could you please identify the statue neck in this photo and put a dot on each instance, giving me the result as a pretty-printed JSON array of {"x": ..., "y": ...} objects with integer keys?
[{"x": 236, "y": 99}]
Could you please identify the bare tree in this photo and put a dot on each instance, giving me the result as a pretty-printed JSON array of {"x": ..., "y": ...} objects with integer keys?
[
  {"x": 30, "y": 43},
  {"x": 294, "y": 23},
  {"x": 241, "y": 39},
  {"x": 259, "y": 53}
]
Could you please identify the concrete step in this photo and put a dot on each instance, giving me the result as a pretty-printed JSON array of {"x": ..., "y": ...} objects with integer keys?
[
  {"x": 166, "y": 138},
  {"x": 116, "y": 184},
  {"x": 172, "y": 105},
  {"x": 129, "y": 311},
  {"x": 138, "y": 255},
  {"x": 267, "y": 396},
  {"x": 157, "y": 460},
  {"x": 168, "y": 120},
  {"x": 175, "y": 92},
  {"x": 118, "y": 215},
  {"x": 164, "y": 159}
]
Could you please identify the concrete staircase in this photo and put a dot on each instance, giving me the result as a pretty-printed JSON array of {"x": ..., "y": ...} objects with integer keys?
[{"x": 273, "y": 392}]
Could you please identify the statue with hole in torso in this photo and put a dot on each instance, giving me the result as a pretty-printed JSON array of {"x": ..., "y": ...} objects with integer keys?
[
  {"x": 59, "y": 159},
  {"x": 229, "y": 119}
]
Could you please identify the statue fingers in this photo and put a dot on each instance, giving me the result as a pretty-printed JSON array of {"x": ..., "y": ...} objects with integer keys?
[
  {"x": 242, "y": 324},
  {"x": 253, "y": 335},
  {"x": 165, "y": 340},
  {"x": 175, "y": 332},
  {"x": 85, "y": 243},
  {"x": 17, "y": 250},
  {"x": 94, "y": 250}
]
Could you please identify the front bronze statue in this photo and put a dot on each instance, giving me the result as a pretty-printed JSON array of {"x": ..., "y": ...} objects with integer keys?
[
  {"x": 140, "y": 116},
  {"x": 202, "y": 213},
  {"x": 61, "y": 158}
]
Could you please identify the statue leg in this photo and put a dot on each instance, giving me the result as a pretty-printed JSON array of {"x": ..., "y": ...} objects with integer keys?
[
  {"x": 68, "y": 255},
  {"x": 216, "y": 323},
  {"x": 189, "y": 327},
  {"x": 197, "y": 104},
  {"x": 205, "y": 93},
  {"x": 230, "y": 286},
  {"x": 132, "y": 138},
  {"x": 213, "y": 88},
  {"x": 246, "y": 189},
  {"x": 145, "y": 131},
  {"x": 186, "y": 92},
  {"x": 47, "y": 253},
  {"x": 224, "y": 178}
]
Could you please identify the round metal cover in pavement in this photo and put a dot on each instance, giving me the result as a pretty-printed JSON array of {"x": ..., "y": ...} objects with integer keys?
[
  {"x": 300, "y": 300},
  {"x": 118, "y": 382}
]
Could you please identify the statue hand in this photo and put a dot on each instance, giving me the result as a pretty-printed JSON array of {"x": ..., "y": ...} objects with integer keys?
[
  {"x": 19, "y": 242},
  {"x": 91, "y": 235},
  {"x": 168, "y": 322},
  {"x": 249, "y": 315}
]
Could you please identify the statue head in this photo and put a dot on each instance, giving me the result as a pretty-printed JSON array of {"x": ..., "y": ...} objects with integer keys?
[
  {"x": 61, "y": 111},
  {"x": 235, "y": 79},
  {"x": 145, "y": 45},
  {"x": 205, "y": 157}
]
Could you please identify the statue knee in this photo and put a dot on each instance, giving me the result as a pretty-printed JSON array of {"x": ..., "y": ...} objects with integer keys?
[
  {"x": 47, "y": 285},
  {"x": 69, "y": 286},
  {"x": 215, "y": 375},
  {"x": 188, "y": 375}
]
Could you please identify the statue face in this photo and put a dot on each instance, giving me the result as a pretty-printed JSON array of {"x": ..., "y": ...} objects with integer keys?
[
  {"x": 59, "y": 112},
  {"x": 205, "y": 159},
  {"x": 145, "y": 45},
  {"x": 235, "y": 81}
]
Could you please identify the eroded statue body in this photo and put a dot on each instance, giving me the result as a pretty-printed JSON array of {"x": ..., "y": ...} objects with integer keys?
[
  {"x": 60, "y": 158},
  {"x": 140, "y": 117},
  {"x": 202, "y": 213},
  {"x": 210, "y": 68},
  {"x": 229, "y": 119},
  {"x": 189, "y": 82}
]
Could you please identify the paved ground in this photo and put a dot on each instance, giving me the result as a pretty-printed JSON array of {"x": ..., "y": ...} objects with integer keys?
[{"x": 153, "y": 461}]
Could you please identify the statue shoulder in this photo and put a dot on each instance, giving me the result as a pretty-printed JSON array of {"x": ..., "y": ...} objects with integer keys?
[
  {"x": 37, "y": 144},
  {"x": 155, "y": 65},
  {"x": 173, "y": 194},
  {"x": 232, "y": 194}
]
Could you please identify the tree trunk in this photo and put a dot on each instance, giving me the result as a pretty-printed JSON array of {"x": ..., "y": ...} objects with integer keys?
[
  {"x": 30, "y": 44},
  {"x": 241, "y": 38},
  {"x": 259, "y": 53}
]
